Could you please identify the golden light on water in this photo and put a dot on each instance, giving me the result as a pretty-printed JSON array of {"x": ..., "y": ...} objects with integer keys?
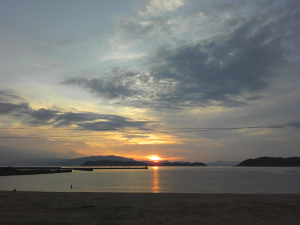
[{"x": 155, "y": 187}]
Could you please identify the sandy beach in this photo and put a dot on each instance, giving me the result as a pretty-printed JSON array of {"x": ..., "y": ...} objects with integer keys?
[{"x": 147, "y": 208}]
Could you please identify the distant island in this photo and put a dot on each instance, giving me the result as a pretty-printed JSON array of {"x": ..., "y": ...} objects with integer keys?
[{"x": 272, "y": 162}]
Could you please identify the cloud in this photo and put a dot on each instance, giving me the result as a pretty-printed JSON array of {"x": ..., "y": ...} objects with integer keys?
[
  {"x": 9, "y": 108},
  {"x": 6, "y": 95},
  {"x": 106, "y": 88},
  {"x": 42, "y": 117},
  {"x": 161, "y": 6},
  {"x": 221, "y": 69},
  {"x": 85, "y": 120},
  {"x": 7, "y": 105},
  {"x": 59, "y": 118},
  {"x": 228, "y": 69},
  {"x": 136, "y": 28},
  {"x": 115, "y": 122},
  {"x": 118, "y": 84}
]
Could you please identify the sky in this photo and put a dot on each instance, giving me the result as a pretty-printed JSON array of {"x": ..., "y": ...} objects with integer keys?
[{"x": 136, "y": 78}]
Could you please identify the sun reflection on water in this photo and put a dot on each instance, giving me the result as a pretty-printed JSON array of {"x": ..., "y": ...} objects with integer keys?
[{"x": 155, "y": 187}]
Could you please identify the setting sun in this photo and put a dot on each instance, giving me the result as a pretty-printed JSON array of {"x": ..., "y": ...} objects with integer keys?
[{"x": 154, "y": 158}]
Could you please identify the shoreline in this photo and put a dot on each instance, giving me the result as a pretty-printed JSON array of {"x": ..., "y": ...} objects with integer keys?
[
  {"x": 26, "y": 207},
  {"x": 16, "y": 172}
]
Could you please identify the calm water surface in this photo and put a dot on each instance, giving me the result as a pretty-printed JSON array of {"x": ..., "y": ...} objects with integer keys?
[{"x": 164, "y": 179}]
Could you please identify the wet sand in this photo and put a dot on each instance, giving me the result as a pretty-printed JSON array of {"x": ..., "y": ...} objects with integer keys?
[{"x": 147, "y": 208}]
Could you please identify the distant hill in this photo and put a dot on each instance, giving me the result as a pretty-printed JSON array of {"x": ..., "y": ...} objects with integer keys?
[
  {"x": 223, "y": 163},
  {"x": 272, "y": 161},
  {"x": 80, "y": 161},
  {"x": 113, "y": 163}
]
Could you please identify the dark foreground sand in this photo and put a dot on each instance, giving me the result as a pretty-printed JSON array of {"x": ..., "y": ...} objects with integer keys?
[{"x": 144, "y": 208}]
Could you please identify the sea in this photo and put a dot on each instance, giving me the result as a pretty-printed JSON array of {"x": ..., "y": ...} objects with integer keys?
[{"x": 242, "y": 180}]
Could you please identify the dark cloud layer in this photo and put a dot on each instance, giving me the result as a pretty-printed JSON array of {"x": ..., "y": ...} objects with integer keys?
[
  {"x": 119, "y": 84},
  {"x": 222, "y": 68},
  {"x": 229, "y": 69},
  {"x": 42, "y": 116},
  {"x": 10, "y": 108},
  {"x": 108, "y": 89},
  {"x": 85, "y": 120}
]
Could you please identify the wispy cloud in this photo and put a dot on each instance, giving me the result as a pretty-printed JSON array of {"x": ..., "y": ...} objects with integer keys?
[
  {"x": 161, "y": 6},
  {"x": 7, "y": 95}
]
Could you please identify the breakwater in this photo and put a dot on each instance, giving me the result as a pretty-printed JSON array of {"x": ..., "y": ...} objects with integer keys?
[{"x": 91, "y": 168}]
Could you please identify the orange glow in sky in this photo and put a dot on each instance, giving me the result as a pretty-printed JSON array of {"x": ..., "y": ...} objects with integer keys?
[{"x": 154, "y": 158}]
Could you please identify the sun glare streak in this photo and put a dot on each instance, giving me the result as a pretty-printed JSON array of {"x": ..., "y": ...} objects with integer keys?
[{"x": 154, "y": 158}]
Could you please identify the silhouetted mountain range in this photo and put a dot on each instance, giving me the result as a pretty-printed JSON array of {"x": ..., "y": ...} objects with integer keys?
[
  {"x": 272, "y": 161},
  {"x": 80, "y": 161}
]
